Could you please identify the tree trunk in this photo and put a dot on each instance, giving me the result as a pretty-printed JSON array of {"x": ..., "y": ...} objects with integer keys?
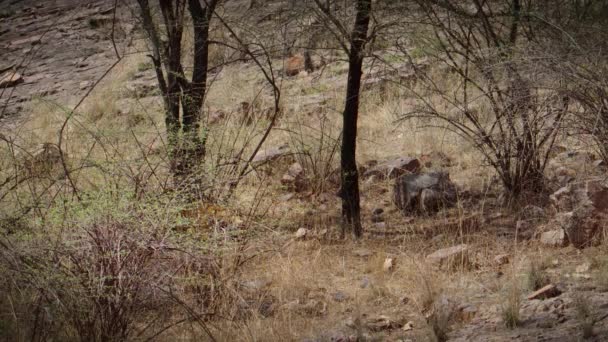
[
  {"x": 351, "y": 210},
  {"x": 188, "y": 150}
]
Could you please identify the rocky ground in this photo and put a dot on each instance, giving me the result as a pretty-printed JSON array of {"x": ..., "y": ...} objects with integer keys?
[
  {"x": 371, "y": 289},
  {"x": 54, "y": 49}
]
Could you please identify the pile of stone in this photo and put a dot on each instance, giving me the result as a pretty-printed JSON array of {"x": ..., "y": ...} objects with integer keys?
[{"x": 581, "y": 213}]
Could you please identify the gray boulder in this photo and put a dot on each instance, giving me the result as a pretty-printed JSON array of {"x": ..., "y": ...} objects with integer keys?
[{"x": 424, "y": 193}]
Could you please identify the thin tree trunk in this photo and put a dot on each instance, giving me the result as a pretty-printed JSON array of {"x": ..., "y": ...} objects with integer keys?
[
  {"x": 178, "y": 92},
  {"x": 351, "y": 209}
]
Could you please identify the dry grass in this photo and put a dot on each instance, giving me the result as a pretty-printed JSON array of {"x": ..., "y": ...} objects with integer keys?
[{"x": 302, "y": 278}]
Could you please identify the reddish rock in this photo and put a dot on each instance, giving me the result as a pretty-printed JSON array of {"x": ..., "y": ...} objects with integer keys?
[{"x": 294, "y": 65}]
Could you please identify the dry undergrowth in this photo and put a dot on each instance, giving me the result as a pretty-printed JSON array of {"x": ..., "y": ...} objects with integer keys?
[{"x": 294, "y": 289}]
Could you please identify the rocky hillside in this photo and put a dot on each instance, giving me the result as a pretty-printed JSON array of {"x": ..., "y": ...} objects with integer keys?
[{"x": 444, "y": 255}]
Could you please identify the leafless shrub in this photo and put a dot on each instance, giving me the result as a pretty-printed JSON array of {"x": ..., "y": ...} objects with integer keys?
[
  {"x": 494, "y": 94},
  {"x": 111, "y": 279},
  {"x": 316, "y": 149}
]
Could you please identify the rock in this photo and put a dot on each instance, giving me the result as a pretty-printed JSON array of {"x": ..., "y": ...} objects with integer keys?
[
  {"x": 389, "y": 265},
  {"x": 451, "y": 256},
  {"x": 377, "y": 219},
  {"x": 583, "y": 268},
  {"x": 301, "y": 233},
  {"x": 142, "y": 88},
  {"x": 557, "y": 150},
  {"x": 365, "y": 282},
  {"x": 340, "y": 296},
  {"x": 584, "y": 211},
  {"x": 554, "y": 238},
  {"x": 271, "y": 154},
  {"x": 99, "y": 21},
  {"x": 381, "y": 322},
  {"x": 597, "y": 193},
  {"x": 216, "y": 116},
  {"x": 424, "y": 193},
  {"x": 294, "y": 177},
  {"x": 548, "y": 291},
  {"x": 532, "y": 213},
  {"x": 286, "y": 197},
  {"x": 408, "y": 326},
  {"x": 380, "y": 225},
  {"x": 565, "y": 172},
  {"x": 565, "y": 220},
  {"x": 256, "y": 284},
  {"x": 435, "y": 159},
  {"x": 501, "y": 259},
  {"x": 312, "y": 307},
  {"x": 363, "y": 253},
  {"x": 393, "y": 168},
  {"x": 294, "y": 65},
  {"x": 10, "y": 78},
  {"x": 561, "y": 198},
  {"x": 466, "y": 312},
  {"x": 521, "y": 225}
]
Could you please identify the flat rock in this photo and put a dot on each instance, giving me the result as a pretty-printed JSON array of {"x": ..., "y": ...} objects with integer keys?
[
  {"x": 583, "y": 268},
  {"x": 554, "y": 238},
  {"x": 363, "y": 253},
  {"x": 393, "y": 168},
  {"x": 271, "y": 154},
  {"x": 10, "y": 79},
  {"x": 301, "y": 233},
  {"x": 142, "y": 88},
  {"x": 449, "y": 256}
]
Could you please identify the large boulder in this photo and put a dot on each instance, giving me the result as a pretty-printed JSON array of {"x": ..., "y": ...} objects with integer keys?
[
  {"x": 424, "y": 193},
  {"x": 582, "y": 211}
]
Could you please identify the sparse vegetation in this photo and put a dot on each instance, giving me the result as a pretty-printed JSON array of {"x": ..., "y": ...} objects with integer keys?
[
  {"x": 536, "y": 275},
  {"x": 583, "y": 312},
  {"x": 511, "y": 306},
  {"x": 189, "y": 172}
]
